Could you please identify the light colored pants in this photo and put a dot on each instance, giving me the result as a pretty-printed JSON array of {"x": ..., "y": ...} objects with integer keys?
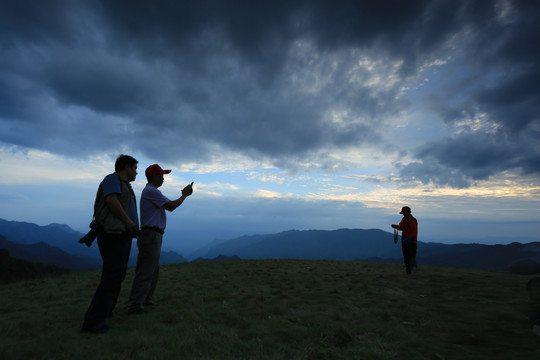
[{"x": 147, "y": 269}]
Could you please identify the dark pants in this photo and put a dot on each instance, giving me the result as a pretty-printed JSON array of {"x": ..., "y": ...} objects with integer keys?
[
  {"x": 408, "y": 247},
  {"x": 147, "y": 270},
  {"x": 114, "y": 249}
]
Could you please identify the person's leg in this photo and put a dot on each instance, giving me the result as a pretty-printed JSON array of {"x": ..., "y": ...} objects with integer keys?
[
  {"x": 406, "y": 258},
  {"x": 123, "y": 252},
  {"x": 114, "y": 250},
  {"x": 149, "y": 245},
  {"x": 155, "y": 276},
  {"x": 413, "y": 248}
]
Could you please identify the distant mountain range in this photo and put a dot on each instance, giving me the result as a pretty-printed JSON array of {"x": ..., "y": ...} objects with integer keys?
[
  {"x": 368, "y": 245},
  {"x": 46, "y": 254},
  {"x": 343, "y": 244},
  {"x": 57, "y": 244}
]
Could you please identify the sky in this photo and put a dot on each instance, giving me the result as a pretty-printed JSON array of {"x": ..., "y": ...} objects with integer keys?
[{"x": 297, "y": 114}]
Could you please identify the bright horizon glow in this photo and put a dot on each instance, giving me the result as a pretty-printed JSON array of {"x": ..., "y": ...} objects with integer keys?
[{"x": 511, "y": 197}]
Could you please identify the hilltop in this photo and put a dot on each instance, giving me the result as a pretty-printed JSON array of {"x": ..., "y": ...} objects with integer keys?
[
  {"x": 280, "y": 309},
  {"x": 58, "y": 245}
]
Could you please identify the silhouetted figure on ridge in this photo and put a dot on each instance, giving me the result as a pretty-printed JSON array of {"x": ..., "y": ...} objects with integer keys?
[{"x": 409, "y": 239}]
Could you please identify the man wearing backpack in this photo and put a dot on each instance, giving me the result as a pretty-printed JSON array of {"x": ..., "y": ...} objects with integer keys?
[
  {"x": 409, "y": 239},
  {"x": 115, "y": 212}
]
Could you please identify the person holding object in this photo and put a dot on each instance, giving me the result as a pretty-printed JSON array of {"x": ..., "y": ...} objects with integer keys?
[
  {"x": 153, "y": 222},
  {"x": 409, "y": 239},
  {"x": 115, "y": 210}
]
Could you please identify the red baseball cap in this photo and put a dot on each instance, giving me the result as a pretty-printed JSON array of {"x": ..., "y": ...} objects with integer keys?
[{"x": 155, "y": 170}]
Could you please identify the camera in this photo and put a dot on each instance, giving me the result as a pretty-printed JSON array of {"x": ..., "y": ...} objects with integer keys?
[{"x": 95, "y": 230}]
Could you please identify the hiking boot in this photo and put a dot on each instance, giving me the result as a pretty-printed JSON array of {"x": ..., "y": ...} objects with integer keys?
[
  {"x": 136, "y": 309},
  {"x": 150, "y": 303},
  {"x": 100, "y": 328}
]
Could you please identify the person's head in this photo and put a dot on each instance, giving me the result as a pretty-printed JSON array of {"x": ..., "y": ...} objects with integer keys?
[
  {"x": 405, "y": 210},
  {"x": 126, "y": 165},
  {"x": 154, "y": 174}
]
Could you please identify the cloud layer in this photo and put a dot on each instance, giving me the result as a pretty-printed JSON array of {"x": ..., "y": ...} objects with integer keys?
[{"x": 289, "y": 84}]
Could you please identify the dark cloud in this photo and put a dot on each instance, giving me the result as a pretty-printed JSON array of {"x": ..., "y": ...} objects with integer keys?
[
  {"x": 500, "y": 89},
  {"x": 514, "y": 98},
  {"x": 462, "y": 159},
  {"x": 267, "y": 78},
  {"x": 33, "y": 22}
]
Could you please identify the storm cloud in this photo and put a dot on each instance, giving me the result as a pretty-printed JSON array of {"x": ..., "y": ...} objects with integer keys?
[{"x": 285, "y": 82}]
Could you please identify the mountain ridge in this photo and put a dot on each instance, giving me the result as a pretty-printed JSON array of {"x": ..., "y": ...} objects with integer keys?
[
  {"x": 341, "y": 244},
  {"x": 57, "y": 244},
  {"x": 367, "y": 245},
  {"x": 41, "y": 252}
]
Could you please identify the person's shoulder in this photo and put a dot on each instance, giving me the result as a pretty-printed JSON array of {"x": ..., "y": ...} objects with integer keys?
[
  {"x": 111, "y": 183},
  {"x": 151, "y": 189},
  {"x": 111, "y": 179}
]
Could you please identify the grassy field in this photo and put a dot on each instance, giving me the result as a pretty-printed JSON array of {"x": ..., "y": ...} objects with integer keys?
[{"x": 279, "y": 309}]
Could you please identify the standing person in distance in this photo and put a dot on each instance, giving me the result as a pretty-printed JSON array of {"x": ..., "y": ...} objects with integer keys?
[
  {"x": 409, "y": 239},
  {"x": 115, "y": 210},
  {"x": 153, "y": 222}
]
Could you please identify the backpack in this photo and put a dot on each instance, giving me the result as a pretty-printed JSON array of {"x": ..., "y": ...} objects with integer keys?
[{"x": 101, "y": 219}]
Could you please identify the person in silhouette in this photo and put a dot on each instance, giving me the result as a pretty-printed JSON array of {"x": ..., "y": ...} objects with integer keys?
[
  {"x": 115, "y": 210},
  {"x": 409, "y": 239},
  {"x": 153, "y": 221}
]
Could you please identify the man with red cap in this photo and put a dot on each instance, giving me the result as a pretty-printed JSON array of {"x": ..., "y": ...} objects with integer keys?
[
  {"x": 153, "y": 222},
  {"x": 409, "y": 238}
]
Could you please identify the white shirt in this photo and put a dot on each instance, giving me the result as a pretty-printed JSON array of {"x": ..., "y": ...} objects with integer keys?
[{"x": 152, "y": 210}]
